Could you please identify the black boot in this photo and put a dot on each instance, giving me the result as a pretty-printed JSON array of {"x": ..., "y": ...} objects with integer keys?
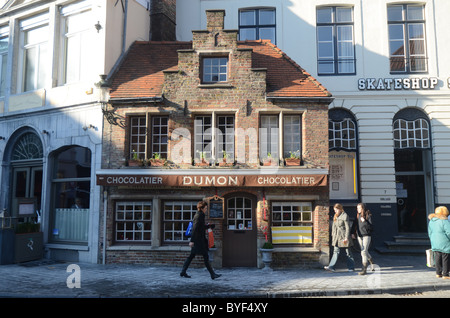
[
  {"x": 185, "y": 267},
  {"x": 211, "y": 271},
  {"x": 184, "y": 274},
  {"x": 214, "y": 275}
]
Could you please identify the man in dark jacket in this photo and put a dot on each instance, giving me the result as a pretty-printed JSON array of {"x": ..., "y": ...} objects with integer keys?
[{"x": 199, "y": 243}]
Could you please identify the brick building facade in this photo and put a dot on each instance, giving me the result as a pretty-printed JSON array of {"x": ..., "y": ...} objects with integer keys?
[{"x": 215, "y": 110}]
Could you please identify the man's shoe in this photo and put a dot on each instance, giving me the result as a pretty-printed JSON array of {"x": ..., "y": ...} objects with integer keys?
[
  {"x": 185, "y": 275},
  {"x": 214, "y": 276}
]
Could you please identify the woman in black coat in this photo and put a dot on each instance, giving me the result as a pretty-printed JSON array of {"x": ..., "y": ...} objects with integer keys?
[{"x": 199, "y": 243}]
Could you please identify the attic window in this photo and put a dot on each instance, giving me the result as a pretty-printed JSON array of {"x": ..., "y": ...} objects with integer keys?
[{"x": 215, "y": 70}]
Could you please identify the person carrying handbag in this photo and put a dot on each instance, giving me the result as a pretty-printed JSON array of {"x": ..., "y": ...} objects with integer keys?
[
  {"x": 439, "y": 233},
  {"x": 340, "y": 238},
  {"x": 198, "y": 242}
]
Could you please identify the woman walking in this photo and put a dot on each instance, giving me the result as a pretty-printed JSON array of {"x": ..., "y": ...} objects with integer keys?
[
  {"x": 340, "y": 234},
  {"x": 199, "y": 243},
  {"x": 364, "y": 235},
  {"x": 439, "y": 233}
]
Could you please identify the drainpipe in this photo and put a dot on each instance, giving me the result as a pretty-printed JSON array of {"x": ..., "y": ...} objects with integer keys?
[
  {"x": 125, "y": 19},
  {"x": 105, "y": 200}
]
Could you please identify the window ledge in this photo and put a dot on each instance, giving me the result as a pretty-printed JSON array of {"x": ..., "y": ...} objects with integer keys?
[
  {"x": 176, "y": 248},
  {"x": 298, "y": 249},
  {"x": 215, "y": 85},
  {"x": 67, "y": 247}
]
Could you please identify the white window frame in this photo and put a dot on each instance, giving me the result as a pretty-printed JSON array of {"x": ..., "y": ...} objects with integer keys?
[
  {"x": 338, "y": 59},
  {"x": 210, "y": 140},
  {"x": 81, "y": 35},
  {"x": 411, "y": 134},
  {"x": 136, "y": 223},
  {"x": 146, "y": 132},
  {"x": 342, "y": 134},
  {"x": 27, "y": 25},
  {"x": 406, "y": 23},
  {"x": 175, "y": 226},
  {"x": 276, "y": 138},
  {"x": 4, "y": 35},
  {"x": 288, "y": 207}
]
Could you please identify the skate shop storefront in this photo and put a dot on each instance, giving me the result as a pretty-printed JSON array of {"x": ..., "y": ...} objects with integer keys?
[{"x": 147, "y": 214}]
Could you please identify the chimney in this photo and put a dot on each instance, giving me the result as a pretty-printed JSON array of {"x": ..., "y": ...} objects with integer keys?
[
  {"x": 163, "y": 20},
  {"x": 215, "y": 20}
]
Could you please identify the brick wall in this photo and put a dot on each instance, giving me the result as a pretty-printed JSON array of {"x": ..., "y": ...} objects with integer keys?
[{"x": 244, "y": 95}]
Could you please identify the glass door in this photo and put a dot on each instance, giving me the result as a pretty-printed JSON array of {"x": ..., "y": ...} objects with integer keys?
[{"x": 239, "y": 246}]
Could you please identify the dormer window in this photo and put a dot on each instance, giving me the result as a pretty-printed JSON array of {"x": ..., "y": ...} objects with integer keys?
[{"x": 215, "y": 70}]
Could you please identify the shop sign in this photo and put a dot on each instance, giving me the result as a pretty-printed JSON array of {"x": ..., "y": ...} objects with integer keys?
[
  {"x": 415, "y": 83},
  {"x": 213, "y": 180}
]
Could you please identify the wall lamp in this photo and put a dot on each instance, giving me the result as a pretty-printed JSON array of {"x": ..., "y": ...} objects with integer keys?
[
  {"x": 45, "y": 132},
  {"x": 2, "y": 138},
  {"x": 89, "y": 127}
]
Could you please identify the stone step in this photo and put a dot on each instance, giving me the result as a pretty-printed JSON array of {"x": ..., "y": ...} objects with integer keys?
[
  {"x": 406, "y": 244},
  {"x": 387, "y": 251}
]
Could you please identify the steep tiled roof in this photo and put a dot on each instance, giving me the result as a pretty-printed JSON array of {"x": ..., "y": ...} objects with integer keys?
[{"x": 141, "y": 73}]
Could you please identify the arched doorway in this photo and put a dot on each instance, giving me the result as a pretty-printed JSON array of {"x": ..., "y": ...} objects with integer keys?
[
  {"x": 413, "y": 169},
  {"x": 240, "y": 231},
  {"x": 25, "y": 161}
]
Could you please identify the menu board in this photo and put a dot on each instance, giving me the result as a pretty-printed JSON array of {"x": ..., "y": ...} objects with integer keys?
[{"x": 216, "y": 208}]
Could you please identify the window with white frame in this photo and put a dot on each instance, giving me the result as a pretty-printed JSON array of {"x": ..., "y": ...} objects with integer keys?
[
  {"x": 141, "y": 140},
  {"x": 34, "y": 55},
  {"x": 257, "y": 24},
  {"x": 4, "y": 44},
  {"x": 176, "y": 217},
  {"x": 221, "y": 130},
  {"x": 292, "y": 135},
  {"x": 77, "y": 37},
  {"x": 215, "y": 69},
  {"x": 291, "y": 213},
  {"x": 335, "y": 42},
  {"x": 406, "y": 23},
  {"x": 411, "y": 133},
  {"x": 269, "y": 136},
  {"x": 342, "y": 134},
  {"x": 133, "y": 221}
]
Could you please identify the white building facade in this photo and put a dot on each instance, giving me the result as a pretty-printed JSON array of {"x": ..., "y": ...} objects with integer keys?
[
  {"x": 52, "y": 55},
  {"x": 386, "y": 64}
]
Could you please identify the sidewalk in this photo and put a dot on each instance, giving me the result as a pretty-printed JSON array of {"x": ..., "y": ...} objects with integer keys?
[{"x": 49, "y": 279}]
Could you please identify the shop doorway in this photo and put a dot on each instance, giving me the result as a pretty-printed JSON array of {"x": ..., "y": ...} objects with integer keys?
[
  {"x": 239, "y": 238},
  {"x": 413, "y": 169},
  {"x": 413, "y": 183}
]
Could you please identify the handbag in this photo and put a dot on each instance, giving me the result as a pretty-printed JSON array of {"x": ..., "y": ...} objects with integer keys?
[
  {"x": 430, "y": 258},
  {"x": 210, "y": 238},
  {"x": 188, "y": 232}
]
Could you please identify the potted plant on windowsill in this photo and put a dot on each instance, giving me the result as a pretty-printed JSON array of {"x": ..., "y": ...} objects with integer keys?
[
  {"x": 269, "y": 160},
  {"x": 135, "y": 161},
  {"x": 202, "y": 162},
  {"x": 294, "y": 159},
  {"x": 157, "y": 161},
  {"x": 224, "y": 162}
]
